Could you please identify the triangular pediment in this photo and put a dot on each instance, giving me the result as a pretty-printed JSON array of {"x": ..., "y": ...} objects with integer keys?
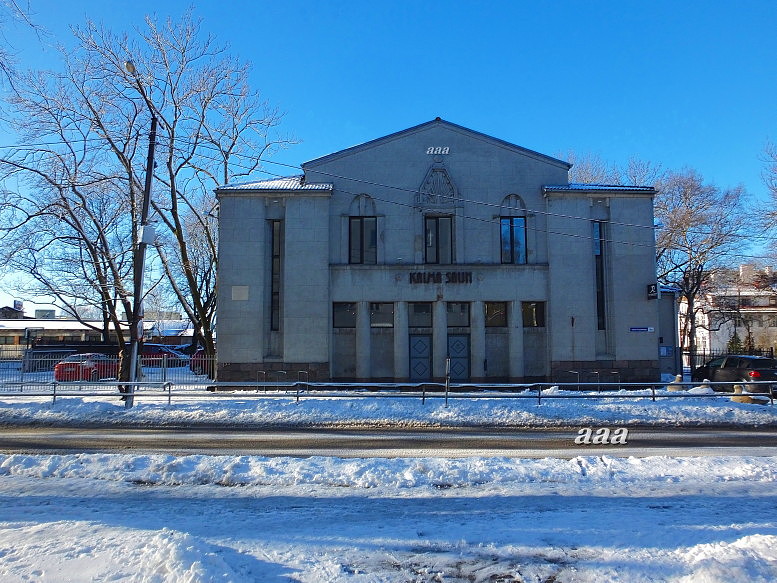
[{"x": 434, "y": 124}]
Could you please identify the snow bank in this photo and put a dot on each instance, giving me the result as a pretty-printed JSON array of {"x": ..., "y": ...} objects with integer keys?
[
  {"x": 555, "y": 408},
  {"x": 400, "y": 473}
]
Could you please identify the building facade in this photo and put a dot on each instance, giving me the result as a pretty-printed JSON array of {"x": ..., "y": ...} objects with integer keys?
[
  {"x": 738, "y": 313},
  {"x": 436, "y": 250}
]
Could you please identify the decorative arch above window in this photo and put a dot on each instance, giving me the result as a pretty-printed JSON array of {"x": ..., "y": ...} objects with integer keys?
[
  {"x": 362, "y": 205},
  {"x": 513, "y": 206}
]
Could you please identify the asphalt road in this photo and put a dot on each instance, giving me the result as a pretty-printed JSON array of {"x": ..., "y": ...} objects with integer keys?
[{"x": 371, "y": 442}]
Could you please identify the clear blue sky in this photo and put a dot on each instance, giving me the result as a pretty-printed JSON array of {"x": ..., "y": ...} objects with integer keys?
[{"x": 689, "y": 83}]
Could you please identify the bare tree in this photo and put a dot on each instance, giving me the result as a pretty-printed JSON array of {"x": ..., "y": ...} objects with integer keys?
[
  {"x": 68, "y": 224},
  {"x": 591, "y": 169},
  {"x": 212, "y": 129},
  {"x": 14, "y": 11},
  {"x": 89, "y": 123},
  {"x": 638, "y": 172},
  {"x": 700, "y": 229},
  {"x": 769, "y": 175}
]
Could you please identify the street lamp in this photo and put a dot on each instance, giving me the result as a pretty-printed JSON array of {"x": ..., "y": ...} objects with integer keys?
[{"x": 145, "y": 237}]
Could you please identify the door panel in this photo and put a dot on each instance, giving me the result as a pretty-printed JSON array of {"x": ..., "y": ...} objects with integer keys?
[
  {"x": 420, "y": 357},
  {"x": 458, "y": 351}
]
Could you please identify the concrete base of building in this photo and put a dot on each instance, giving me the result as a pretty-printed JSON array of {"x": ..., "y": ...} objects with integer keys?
[
  {"x": 275, "y": 372},
  {"x": 605, "y": 371},
  {"x": 600, "y": 371}
]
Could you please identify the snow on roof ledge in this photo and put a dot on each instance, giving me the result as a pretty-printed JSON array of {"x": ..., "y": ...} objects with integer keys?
[
  {"x": 280, "y": 183},
  {"x": 597, "y": 187}
]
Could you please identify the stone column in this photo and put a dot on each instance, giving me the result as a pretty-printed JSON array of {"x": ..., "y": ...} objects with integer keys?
[
  {"x": 477, "y": 335},
  {"x": 440, "y": 339},
  {"x": 363, "y": 349},
  {"x": 515, "y": 325},
  {"x": 401, "y": 342}
]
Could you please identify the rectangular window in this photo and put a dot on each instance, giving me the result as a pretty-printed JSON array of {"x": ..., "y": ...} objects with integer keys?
[
  {"x": 382, "y": 315},
  {"x": 533, "y": 314},
  {"x": 458, "y": 314},
  {"x": 598, "y": 241},
  {"x": 438, "y": 235},
  {"x": 6, "y": 339},
  {"x": 363, "y": 240},
  {"x": 513, "y": 239},
  {"x": 419, "y": 315},
  {"x": 344, "y": 315},
  {"x": 276, "y": 244},
  {"x": 496, "y": 314}
]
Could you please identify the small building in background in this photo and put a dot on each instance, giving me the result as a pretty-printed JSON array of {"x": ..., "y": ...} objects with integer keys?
[{"x": 738, "y": 313}]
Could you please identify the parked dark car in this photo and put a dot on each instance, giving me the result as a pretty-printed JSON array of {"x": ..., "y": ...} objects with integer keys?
[
  {"x": 739, "y": 369},
  {"x": 154, "y": 355},
  {"x": 88, "y": 366}
]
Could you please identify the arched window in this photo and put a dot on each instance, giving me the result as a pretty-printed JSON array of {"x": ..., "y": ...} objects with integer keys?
[
  {"x": 362, "y": 231},
  {"x": 512, "y": 230}
]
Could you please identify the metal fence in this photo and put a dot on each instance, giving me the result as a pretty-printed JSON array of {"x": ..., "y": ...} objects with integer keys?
[
  {"x": 702, "y": 356},
  {"x": 39, "y": 368},
  {"x": 171, "y": 392}
]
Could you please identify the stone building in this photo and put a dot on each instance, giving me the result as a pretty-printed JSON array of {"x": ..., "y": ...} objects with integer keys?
[{"x": 431, "y": 247}]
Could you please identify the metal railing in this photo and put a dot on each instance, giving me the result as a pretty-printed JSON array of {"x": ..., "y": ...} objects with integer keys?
[
  {"x": 758, "y": 392},
  {"x": 154, "y": 369},
  {"x": 702, "y": 356}
]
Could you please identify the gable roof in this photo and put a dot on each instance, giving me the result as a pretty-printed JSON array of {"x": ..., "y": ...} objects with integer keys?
[{"x": 436, "y": 122}]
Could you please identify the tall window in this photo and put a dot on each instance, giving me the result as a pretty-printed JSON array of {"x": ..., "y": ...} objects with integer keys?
[
  {"x": 438, "y": 233},
  {"x": 598, "y": 240},
  {"x": 513, "y": 238},
  {"x": 363, "y": 240},
  {"x": 276, "y": 233}
]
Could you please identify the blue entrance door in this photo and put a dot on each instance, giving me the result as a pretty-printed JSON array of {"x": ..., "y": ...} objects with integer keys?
[
  {"x": 458, "y": 352},
  {"x": 420, "y": 357}
]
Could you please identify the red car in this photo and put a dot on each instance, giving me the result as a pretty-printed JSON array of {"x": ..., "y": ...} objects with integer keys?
[{"x": 89, "y": 366}]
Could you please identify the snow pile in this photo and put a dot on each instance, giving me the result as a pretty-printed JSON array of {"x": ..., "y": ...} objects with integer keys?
[
  {"x": 554, "y": 407},
  {"x": 591, "y": 472}
]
